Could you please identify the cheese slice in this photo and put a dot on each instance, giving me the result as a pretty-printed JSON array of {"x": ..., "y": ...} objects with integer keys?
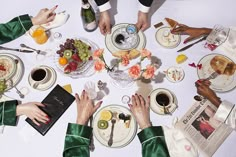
[
  {"x": 134, "y": 54},
  {"x": 68, "y": 88},
  {"x": 119, "y": 54}
]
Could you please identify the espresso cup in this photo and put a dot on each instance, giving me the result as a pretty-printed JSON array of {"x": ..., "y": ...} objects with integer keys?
[
  {"x": 39, "y": 75},
  {"x": 164, "y": 98}
]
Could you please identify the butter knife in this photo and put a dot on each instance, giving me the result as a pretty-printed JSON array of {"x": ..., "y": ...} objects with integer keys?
[
  {"x": 190, "y": 45},
  {"x": 19, "y": 50}
]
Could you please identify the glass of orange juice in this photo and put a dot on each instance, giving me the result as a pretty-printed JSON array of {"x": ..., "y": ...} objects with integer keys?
[{"x": 39, "y": 34}]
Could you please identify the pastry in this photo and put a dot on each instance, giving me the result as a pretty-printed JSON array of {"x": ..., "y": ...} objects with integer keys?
[
  {"x": 171, "y": 22},
  {"x": 134, "y": 53},
  {"x": 119, "y": 54},
  {"x": 223, "y": 65}
]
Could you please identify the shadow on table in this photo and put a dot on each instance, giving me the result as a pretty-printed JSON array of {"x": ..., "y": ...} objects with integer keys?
[{"x": 113, "y": 11}]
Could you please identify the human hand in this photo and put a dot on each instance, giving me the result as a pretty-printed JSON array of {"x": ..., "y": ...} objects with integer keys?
[
  {"x": 141, "y": 111},
  {"x": 105, "y": 23},
  {"x": 85, "y": 108},
  {"x": 32, "y": 111},
  {"x": 203, "y": 88},
  {"x": 142, "y": 23},
  {"x": 44, "y": 16},
  {"x": 193, "y": 33}
]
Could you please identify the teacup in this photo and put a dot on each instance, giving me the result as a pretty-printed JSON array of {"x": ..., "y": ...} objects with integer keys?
[
  {"x": 39, "y": 34},
  {"x": 164, "y": 98},
  {"x": 39, "y": 75}
]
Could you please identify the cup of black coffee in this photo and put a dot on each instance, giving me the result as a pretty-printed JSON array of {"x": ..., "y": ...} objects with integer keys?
[
  {"x": 39, "y": 75},
  {"x": 164, "y": 98}
]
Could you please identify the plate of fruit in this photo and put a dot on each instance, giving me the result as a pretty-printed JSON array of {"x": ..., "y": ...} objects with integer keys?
[{"x": 74, "y": 56}]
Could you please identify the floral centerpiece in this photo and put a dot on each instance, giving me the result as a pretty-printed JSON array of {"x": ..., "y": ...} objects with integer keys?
[{"x": 124, "y": 57}]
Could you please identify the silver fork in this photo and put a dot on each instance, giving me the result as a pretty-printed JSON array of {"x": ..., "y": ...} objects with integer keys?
[
  {"x": 212, "y": 76},
  {"x": 17, "y": 90},
  {"x": 37, "y": 51}
]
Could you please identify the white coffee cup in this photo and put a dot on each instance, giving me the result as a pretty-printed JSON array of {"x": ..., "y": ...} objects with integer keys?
[{"x": 39, "y": 75}]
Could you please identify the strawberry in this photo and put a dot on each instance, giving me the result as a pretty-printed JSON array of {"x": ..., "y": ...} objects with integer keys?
[
  {"x": 76, "y": 57},
  {"x": 67, "y": 69},
  {"x": 73, "y": 65}
]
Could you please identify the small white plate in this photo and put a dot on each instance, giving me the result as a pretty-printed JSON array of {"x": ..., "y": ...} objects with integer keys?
[
  {"x": 175, "y": 74},
  {"x": 160, "y": 109},
  {"x": 166, "y": 39},
  {"x": 222, "y": 83},
  {"x": 122, "y": 136},
  {"x": 51, "y": 81},
  {"x": 112, "y": 46}
]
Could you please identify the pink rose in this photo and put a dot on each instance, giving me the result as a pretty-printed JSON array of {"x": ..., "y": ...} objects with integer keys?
[
  {"x": 98, "y": 53},
  {"x": 125, "y": 60},
  {"x": 134, "y": 71},
  {"x": 149, "y": 72},
  {"x": 99, "y": 65},
  {"x": 145, "y": 53}
]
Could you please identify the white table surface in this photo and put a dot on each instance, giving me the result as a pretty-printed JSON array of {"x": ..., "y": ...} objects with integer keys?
[{"x": 197, "y": 13}]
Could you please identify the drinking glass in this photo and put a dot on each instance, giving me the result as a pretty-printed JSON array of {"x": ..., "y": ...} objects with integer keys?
[{"x": 39, "y": 34}]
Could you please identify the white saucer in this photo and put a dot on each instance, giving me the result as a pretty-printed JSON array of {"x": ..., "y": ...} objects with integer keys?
[
  {"x": 160, "y": 109},
  {"x": 50, "y": 82},
  {"x": 170, "y": 40},
  {"x": 19, "y": 70},
  {"x": 175, "y": 74},
  {"x": 113, "y": 47}
]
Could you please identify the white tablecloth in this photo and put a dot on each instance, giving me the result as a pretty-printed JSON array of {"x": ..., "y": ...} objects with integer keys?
[{"x": 199, "y": 13}]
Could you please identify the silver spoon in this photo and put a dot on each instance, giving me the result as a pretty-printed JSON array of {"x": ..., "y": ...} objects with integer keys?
[{"x": 17, "y": 90}]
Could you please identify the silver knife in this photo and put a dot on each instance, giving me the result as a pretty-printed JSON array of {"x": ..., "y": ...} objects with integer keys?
[
  {"x": 19, "y": 50},
  {"x": 190, "y": 45}
]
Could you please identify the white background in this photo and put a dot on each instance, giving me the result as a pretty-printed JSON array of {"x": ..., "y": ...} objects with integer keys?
[{"x": 198, "y": 13}]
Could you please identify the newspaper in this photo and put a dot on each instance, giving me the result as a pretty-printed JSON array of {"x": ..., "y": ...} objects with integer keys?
[{"x": 199, "y": 126}]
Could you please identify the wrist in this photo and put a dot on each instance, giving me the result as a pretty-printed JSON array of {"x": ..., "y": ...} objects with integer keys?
[
  {"x": 147, "y": 125},
  {"x": 206, "y": 31},
  {"x": 34, "y": 21},
  {"x": 81, "y": 121},
  {"x": 19, "y": 110},
  {"x": 216, "y": 101}
]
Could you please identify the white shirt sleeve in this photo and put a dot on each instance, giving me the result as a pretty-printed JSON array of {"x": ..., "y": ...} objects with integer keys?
[
  {"x": 143, "y": 8},
  {"x": 104, "y": 7},
  {"x": 226, "y": 113}
]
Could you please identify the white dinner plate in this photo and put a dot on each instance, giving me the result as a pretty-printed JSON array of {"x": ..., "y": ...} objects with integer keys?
[
  {"x": 160, "y": 109},
  {"x": 122, "y": 136},
  {"x": 166, "y": 39},
  {"x": 132, "y": 41},
  {"x": 222, "y": 83},
  {"x": 19, "y": 71}
]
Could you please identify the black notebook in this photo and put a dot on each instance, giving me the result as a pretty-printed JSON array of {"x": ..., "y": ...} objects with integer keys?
[{"x": 56, "y": 103}]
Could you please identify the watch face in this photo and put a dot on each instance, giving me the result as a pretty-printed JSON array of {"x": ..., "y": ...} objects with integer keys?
[{"x": 131, "y": 29}]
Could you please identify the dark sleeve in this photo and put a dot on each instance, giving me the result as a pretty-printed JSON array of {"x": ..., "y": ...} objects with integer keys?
[
  {"x": 153, "y": 142},
  {"x": 8, "y": 112},
  {"x": 146, "y": 3},
  {"x": 101, "y": 2},
  {"x": 77, "y": 141},
  {"x": 14, "y": 28}
]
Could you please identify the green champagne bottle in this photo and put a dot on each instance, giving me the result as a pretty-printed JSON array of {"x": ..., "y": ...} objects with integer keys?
[{"x": 88, "y": 16}]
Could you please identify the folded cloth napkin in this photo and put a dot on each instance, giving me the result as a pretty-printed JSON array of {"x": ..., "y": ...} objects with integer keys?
[
  {"x": 178, "y": 145},
  {"x": 59, "y": 20}
]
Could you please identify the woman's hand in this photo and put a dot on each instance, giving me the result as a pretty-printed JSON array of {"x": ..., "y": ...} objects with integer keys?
[
  {"x": 85, "y": 108},
  {"x": 193, "y": 33},
  {"x": 32, "y": 111},
  {"x": 141, "y": 111},
  {"x": 44, "y": 16},
  {"x": 204, "y": 90}
]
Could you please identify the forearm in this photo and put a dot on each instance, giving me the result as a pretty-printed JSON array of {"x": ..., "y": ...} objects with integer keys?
[
  {"x": 14, "y": 28},
  {"x": 8, "y": 113},
  {"x": 77, "y": 141},
  {"x": 153, "y": 142}
]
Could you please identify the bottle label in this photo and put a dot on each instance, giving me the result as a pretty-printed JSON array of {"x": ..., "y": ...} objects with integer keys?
[{"x": 91, "y": 25}]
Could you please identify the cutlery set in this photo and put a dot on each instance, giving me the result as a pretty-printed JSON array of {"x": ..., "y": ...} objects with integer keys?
[{"x": 23, "y": 50}]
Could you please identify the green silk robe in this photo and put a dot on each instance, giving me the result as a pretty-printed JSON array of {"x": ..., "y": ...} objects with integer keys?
[
  {"x": 78, "y": 138},
  {"x": 14, "y": 28},
  {"x": 8, "y": 112}
]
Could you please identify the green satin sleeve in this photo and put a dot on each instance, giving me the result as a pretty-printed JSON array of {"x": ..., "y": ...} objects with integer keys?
[
  {"x": 77, "y": 141},
  {"x": 8, "y": 112},
  {"x": 153, "y": 142},
  {"x": 14, "y": 28}
]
